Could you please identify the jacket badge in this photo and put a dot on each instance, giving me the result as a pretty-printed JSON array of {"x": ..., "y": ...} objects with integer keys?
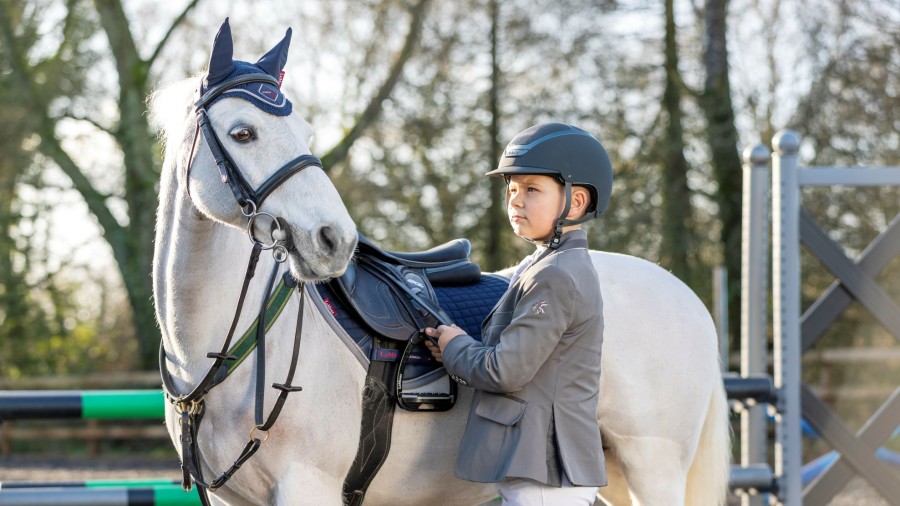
[{"x": 538, "y": 308}]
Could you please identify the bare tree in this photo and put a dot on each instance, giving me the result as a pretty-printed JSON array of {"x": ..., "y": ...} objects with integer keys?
[
  {"x": 676, "y": 195},
  {"x": 722, "y": 137},
  {"x": 130, "y": 239}
]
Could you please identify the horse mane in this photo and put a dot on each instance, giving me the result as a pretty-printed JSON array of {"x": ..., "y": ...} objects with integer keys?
[{"x": 168, "y": 109}]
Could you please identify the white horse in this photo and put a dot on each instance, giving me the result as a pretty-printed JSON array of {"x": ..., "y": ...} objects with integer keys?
[{"x": 662, "y": 411}]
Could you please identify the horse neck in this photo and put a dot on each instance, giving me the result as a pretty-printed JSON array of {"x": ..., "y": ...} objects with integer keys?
[{"x": 198, "y": 271}]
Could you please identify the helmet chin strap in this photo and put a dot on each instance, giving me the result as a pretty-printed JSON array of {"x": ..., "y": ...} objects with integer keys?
[{"x": 562, "y": 221}]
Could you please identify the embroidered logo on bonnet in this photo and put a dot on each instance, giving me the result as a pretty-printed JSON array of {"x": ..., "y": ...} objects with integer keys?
[{"x": 222, "y": 67}]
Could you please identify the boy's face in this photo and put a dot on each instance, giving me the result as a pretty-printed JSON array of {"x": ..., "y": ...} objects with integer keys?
[{"x": 533, "y": 203}]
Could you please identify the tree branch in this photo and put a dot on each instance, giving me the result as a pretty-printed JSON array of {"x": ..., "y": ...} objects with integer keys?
[
  {"x": 373, "y": 110},
  {"x": 51, "y": 146},
  {"x": 96, "y": 201},
  {"x": 133, "y": 133},
  {"x": 67, "y": 26},
  {"x": 131, "y": 68},
  {"x": 181, "y": 17},
  {"x": 98, "y": 126}
]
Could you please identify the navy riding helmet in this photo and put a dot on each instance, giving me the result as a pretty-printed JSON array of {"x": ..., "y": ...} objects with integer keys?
[{"x": 568, "y": 153}]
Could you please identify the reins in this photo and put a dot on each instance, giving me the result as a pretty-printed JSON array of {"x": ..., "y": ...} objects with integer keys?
[{"x": 191, "y": 406}]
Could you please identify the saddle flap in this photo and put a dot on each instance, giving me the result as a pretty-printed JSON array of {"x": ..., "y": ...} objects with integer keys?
[{"x": 381, "y": 306}]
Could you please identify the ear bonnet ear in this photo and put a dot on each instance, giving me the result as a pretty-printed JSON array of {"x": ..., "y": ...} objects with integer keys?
[
  {"x": 220, "y": 61},
  {"x": 222, "y": 68},
  {"x": 273, "y": 61}
]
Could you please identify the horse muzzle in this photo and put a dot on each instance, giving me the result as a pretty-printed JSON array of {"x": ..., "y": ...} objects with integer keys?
[{"x": 321, "y": 253}]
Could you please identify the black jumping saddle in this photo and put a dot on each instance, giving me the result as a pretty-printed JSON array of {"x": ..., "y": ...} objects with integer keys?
[
  {"x": 391, "y": 298},
  {"x": 393, "y": 292}
]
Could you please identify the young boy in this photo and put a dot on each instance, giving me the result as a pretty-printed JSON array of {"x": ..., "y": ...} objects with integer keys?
[{"x": 533, "y": 425}]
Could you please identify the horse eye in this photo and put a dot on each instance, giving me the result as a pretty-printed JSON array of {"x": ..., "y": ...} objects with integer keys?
[{"x": 242, "y": 134}]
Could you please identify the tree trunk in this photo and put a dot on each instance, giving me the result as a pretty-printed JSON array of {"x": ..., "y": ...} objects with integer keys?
[
  {"x": 13, "y": 296},
  {"x": 495, "y": 250},
  {"x": 723, "y": 141},
  {"x": 141, "y": 174},
  {"x": 677, "y": 216}
]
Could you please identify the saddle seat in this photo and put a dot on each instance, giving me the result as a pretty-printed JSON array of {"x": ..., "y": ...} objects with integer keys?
[
  {"x": 445, "y": 265},
  {"x": 451, "y": 251}
]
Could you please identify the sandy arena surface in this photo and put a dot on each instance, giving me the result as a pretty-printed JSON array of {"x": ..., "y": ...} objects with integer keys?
[{"x": 856, "y": 493}]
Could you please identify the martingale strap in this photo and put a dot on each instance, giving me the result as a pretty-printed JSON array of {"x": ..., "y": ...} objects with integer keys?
[
  {"x": 191, "y": 407},
  {"x": 202, "y": 388},
  {"x": 190, "y": 420},
  {"x": 247, "y": 342}
]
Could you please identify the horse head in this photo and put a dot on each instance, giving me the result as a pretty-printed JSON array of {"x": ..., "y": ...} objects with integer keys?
[{"x": 250, "y": 165}]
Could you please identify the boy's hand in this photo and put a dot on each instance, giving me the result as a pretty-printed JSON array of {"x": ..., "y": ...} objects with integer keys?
[
  {"x": 435, "y": 351},
  {"x": 444, "y": 335}
]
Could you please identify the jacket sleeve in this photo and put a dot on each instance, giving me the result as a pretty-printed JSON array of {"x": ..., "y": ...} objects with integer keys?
[{"x": 541, "y": 317}]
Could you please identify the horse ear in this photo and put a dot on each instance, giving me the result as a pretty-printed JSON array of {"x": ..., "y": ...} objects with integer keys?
[
  {"x": 220, "y": 62},
  {"x": 273, "y": 61}
]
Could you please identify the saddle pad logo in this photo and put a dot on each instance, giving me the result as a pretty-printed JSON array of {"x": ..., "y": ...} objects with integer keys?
[
  {"x": 538, "y": 307},
  {"x": 330, "y": 307},
  {"x": 386, "y": 355}
]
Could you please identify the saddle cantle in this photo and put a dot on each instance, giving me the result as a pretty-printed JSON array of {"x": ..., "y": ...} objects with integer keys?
[
  {"x": 453, "y": 251},
  {"x": 386, "y": 298}
]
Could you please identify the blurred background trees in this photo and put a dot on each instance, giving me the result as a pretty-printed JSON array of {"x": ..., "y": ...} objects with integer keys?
[{"x": 412, "y": 101}]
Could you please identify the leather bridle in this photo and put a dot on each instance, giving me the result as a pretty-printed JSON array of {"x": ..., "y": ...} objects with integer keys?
[
  {"x": 191, "y": 406},
  {"x": 248, "y": 198}
]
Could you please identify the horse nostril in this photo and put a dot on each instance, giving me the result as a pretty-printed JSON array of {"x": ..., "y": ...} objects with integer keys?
[{"x": 328, "y": 239}]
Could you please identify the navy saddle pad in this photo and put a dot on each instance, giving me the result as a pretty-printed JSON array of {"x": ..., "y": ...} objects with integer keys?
[{"x": 467, "y": 306}]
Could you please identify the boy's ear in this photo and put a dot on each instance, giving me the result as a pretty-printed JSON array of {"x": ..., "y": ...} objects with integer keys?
[{"x": 581, "y": 199}]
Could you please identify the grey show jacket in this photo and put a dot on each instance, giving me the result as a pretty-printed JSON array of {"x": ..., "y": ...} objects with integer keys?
[{"x": 537, "y": 375}]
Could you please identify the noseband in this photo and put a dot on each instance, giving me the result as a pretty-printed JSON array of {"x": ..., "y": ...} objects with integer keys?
[
  {"x": 248, "y": 198},
  {"x": 190, "y": 407}
]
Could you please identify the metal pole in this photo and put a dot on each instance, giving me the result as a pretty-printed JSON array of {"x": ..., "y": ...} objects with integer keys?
[
  {"x": 786, "y": 313},
  {"x": 754, "y": 272},
  {"x": 720, "y": 312}
]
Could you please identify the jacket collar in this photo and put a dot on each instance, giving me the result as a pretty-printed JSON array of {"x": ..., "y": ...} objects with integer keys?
[{"x": 572, "y": 239}]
